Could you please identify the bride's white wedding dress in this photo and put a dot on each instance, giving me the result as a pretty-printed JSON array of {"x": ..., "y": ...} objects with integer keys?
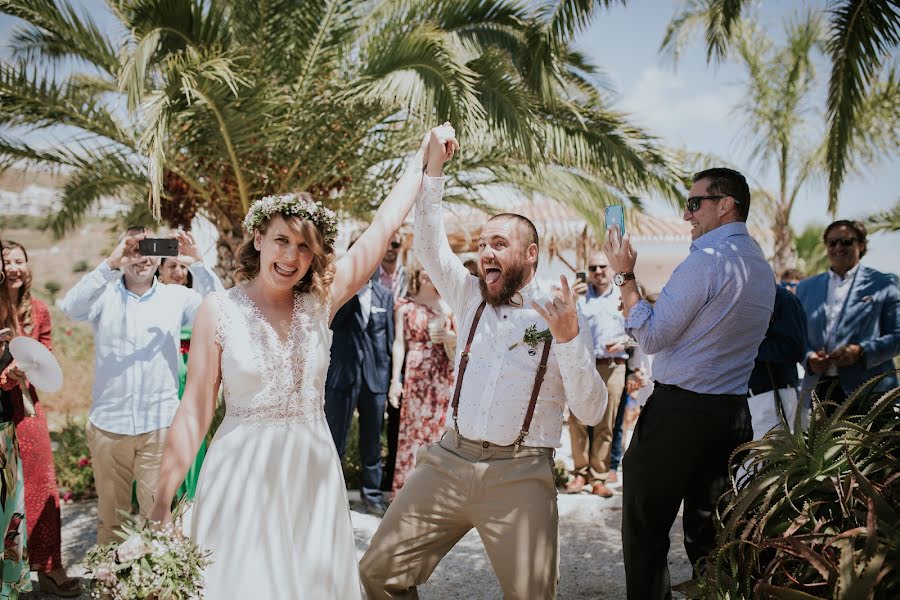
[{"x": 271, "y": 504}]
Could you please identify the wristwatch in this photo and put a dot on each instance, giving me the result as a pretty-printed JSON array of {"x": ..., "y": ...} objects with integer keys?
[{"x": 621, "y": 278}]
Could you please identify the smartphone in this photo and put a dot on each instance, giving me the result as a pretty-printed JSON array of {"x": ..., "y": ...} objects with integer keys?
[
  {"x": 615, "y": 215},
  {"x": 158, "y": 247},
  {"x": 581, "y": 275}
]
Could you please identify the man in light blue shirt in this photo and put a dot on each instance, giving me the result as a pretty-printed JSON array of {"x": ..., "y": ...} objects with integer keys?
[
  {"x": 137, "y": 325},
  {"x": 704, "y": 330},
  {"x": 592, "y": 454}
]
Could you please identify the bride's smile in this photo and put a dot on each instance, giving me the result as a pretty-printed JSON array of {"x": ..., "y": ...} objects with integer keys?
[{"x": 284, "y": 253}]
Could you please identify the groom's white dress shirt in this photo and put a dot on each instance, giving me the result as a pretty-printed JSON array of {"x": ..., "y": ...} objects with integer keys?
[{"x": 498, "y": 381}]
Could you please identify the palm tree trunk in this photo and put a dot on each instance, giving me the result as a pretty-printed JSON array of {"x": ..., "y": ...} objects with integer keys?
[{"x": 784, "y": 256}]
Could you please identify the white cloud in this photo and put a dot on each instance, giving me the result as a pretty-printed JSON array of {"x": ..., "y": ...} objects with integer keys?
[{"x": 683, "y": 112}]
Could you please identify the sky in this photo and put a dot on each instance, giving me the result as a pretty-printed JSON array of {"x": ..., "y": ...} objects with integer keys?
[{"x": 692, "y": 104}]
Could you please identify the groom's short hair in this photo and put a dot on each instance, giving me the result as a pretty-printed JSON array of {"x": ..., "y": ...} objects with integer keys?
[{"x": 525, "y": 229}]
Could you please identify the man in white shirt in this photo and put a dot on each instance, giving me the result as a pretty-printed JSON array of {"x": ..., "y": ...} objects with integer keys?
[
  {"x": 600, "y": 306},
  {"x": 493, "y": 468},
  {"x": 137, "y": 325}
]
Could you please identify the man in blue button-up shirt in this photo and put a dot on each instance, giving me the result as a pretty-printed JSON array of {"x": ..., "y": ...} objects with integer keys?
[
  {"x": 704, "y": 330},
  {"x": 137, "y": 325}
]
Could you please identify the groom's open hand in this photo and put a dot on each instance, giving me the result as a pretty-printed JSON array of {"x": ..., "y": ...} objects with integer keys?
[{"x": 560, "y": 314}]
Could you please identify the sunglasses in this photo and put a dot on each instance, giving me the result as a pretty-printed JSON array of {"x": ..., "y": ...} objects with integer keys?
[
  {"x": 395, "y": 245},
  {"x": 593, "y": 268},
  {"x": 693, "y": 203},
  {"x": 845, "y": 242}
]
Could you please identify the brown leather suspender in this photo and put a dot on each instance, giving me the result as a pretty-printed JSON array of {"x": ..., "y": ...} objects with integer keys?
[{"x": 464, "y": 362}]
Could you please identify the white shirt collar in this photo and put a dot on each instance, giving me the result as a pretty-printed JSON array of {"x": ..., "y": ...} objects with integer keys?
[{"x": 849, "y": 275}]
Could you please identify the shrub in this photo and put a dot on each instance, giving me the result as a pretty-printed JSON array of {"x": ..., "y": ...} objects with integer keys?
[
  {"x": 52, "y": 288},
  {"x": 80, "y": 266},
  {"x": 817, "y": 514},
  {"x": 352, "y": 464},
  {"x": 72, "y": 459}
]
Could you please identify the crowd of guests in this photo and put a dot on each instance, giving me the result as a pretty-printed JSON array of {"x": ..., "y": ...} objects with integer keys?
[{"x": 393, "y": 353}]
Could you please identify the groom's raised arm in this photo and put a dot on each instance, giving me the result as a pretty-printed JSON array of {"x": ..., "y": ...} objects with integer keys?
[{"x": 432, "y": 249}]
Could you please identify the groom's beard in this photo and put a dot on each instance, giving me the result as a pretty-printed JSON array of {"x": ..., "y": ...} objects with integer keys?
[{"x": 512, "y": 280}]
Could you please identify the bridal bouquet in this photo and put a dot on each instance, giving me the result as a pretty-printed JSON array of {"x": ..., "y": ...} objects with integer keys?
[{"x": 152, "y": 563}]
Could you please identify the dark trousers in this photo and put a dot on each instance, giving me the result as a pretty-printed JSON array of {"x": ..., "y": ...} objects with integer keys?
[
  {"x": 339, "y": 406},
  {"x": 393, "y": 434},
  {"x": 615, "y": 456},
  {"x": 679, "y": 452}
]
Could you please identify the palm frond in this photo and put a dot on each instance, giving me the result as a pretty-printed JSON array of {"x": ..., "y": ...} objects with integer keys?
[
  {"x": 565, "y": 18},
  {"x": 55, "y": 30},
  {"x": 723, "y": 18},
  {"x": 888, "y": 220},
  {"x": 863, "y": 35},
  {"x": 29, "y": 99}
]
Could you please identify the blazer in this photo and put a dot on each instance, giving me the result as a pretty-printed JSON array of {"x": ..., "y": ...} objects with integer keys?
[
  {"x": 361, "y": 352},
  {"x": 870, "y": 318}
]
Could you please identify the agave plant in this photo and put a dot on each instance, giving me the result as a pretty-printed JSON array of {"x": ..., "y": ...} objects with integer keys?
[
  {"x": 205, "y": 105},
  {"x": 816, "y": 513}
]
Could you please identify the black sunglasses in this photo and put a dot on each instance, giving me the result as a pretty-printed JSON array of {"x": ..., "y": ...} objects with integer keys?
[
  {"x": 593, "y": 268},
  {"x": 693, "y": 203},
  {"x": 395, "y": 245},
  {"x": 845, "y": 242}
]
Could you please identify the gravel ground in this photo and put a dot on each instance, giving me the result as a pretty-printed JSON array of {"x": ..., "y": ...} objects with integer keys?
[
  {"x": 591, "y": 552},
  {"x": 590, "y": 546}
]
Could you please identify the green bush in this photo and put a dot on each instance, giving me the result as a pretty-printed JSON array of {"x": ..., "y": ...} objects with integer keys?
[
  {"x": 352, "y": 464},
  {"x": 72, "y": 459},
  {"x": 817, "y": 514},
  {"x": 80, "y": 266}
]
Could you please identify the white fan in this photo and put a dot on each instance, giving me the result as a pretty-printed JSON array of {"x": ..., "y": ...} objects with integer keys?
[{"x": 39, "y": 366}]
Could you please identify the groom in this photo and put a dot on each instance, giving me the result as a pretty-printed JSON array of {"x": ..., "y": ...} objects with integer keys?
[{"x": 493, "y": 468}]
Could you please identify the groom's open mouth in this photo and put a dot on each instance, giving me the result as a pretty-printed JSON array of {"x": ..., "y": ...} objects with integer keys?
[{"x": 492, "y": 275}]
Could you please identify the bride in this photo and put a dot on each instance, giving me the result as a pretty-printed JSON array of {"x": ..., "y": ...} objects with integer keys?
[{"x": 271, "y": 506}]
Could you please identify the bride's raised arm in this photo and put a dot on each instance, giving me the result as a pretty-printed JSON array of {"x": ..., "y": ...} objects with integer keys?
[{"x": 356, "y": 267}]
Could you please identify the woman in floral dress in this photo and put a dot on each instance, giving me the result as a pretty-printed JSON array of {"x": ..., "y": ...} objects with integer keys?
[
  {"x": 425, "y": 337},
  {"x": 14, "y": 576}
]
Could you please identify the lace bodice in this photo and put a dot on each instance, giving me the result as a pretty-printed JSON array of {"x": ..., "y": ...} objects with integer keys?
[{"x": 268, "y": 381}]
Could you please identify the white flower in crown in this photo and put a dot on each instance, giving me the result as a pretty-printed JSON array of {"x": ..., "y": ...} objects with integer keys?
[{"x": 293, "y": 204}]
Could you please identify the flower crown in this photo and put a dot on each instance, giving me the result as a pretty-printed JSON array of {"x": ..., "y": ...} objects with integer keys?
[{"x": 298, "y": 205}]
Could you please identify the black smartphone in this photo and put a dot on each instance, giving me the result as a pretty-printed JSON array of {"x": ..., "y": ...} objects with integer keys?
[
  {"x": 158, "y": 247},
  {"x": 581, "y": 275}
]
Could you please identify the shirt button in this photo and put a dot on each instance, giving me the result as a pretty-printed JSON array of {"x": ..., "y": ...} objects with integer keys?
[{"x": 485, "y": 444}]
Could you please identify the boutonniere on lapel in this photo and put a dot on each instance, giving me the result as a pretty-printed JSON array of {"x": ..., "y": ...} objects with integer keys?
[{"x": 533, "y": 337}]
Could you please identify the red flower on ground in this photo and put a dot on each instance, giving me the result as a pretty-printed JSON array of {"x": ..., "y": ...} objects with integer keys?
[{"x": 84, "y": 462}]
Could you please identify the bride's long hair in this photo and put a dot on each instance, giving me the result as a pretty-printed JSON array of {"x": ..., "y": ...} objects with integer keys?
[{"x": 321, "y": 270}]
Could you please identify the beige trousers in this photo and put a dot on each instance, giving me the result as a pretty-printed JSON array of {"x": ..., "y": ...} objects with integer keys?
[
  {"x": 118, "y": 460},
  {"x": 508, "y": 497},
  {"x": 591, "y": 455}
]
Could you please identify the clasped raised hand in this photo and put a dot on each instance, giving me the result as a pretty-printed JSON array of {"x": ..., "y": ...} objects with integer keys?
[
  {"x": 561, "y": 314},
  {"x": 438, "y": 147}
]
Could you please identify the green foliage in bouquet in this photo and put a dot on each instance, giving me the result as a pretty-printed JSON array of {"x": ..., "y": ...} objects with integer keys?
[
  {"x": 149, "y": 563},
  {"x": 71, "y": 457},
  {"x": 817, "y": 514}
]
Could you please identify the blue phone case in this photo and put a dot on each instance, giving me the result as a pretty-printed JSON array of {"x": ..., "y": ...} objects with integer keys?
[{"x": 615, "y": 215}]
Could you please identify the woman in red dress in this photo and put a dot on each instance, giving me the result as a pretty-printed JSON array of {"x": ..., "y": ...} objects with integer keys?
[
  {"x": 425, "y": 337},
  {"x": 41, "y": 492}
]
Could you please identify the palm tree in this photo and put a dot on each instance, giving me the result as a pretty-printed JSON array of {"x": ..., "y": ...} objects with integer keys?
[
  {"x": 781, "y": 120},
  {"x": 861, "y": 39},
  {"x": 204, "y": 106},
  {"x": 812, "y": 257}
]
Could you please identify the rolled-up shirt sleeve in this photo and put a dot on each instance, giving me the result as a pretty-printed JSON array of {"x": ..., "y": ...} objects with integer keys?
[
  {"x": 432, "y": 249},
  {"x": 585, "y": 391},
  {"x": 660, "y": 326},
  {"x": 205, "y": 279}
]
